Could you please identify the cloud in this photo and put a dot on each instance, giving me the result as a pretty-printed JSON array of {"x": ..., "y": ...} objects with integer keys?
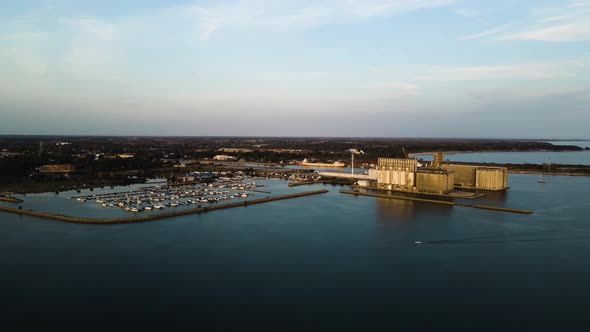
[
  {"x": 532, "y": 93},
  {"x": 566, "y": 23},
  {"x": 295, "y": 14},
  {"x": 487, "y": 33},
  {"x": 473, "y": 14},
  {"x": 91, "y": 28},
  {"x": 530, "y": 70},
  {"x": 23, "y": 51},
  {"x": 391, "y": 89},
  {"x": 569, "y": 32}
]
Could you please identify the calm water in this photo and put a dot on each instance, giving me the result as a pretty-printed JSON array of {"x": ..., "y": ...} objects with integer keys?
[
  {"x": 533, "y": 157},
  {"x": 330, "y": 262}
]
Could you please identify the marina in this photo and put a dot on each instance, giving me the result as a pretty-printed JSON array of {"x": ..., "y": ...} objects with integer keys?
[
  {"x": 136, "y": 219},
  {"x": 166, "y": 196}
]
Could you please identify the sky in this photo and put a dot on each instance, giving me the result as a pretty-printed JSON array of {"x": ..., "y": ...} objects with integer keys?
[{"x": 360, "y": 68}]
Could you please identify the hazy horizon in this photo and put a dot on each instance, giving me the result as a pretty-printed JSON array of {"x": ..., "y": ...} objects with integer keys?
[
  {"x": 324, "y": 68},
  {"x": 538, "y": 139}
]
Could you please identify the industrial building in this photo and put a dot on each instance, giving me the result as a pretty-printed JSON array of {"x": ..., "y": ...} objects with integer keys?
[
  {"x": 57, "y": 168},
  {"x": 405, "y": 174},
  {"x": 397, "y": 173},
  {"x": 435, "y": 180},
  {"x": 479, "y": 177}
]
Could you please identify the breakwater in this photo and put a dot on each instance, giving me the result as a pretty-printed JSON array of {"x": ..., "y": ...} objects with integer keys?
[
  {"x": 303, "y": 183},
  {"x": 485, "y": 207},
  {"x": 10, "y": 199},
  {"x": 158, "y": 215}
]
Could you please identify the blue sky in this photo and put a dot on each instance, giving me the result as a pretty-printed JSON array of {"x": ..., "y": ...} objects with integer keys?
[{"x": 427, "y": 68}]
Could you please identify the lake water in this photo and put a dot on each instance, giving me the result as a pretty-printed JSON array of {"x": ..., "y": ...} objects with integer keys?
[
  {"x": 327, "y": 262},
  {"x": 533, "y": 157}
]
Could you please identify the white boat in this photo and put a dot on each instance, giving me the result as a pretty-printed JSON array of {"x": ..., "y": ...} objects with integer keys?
[{"x": 148, "y": 208}]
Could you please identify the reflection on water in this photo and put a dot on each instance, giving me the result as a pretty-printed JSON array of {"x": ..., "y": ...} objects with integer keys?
[
  {"x": 401, "y": 211},
  {"x": 290, "y": 260},
  {"x": 496, "y": 198}
]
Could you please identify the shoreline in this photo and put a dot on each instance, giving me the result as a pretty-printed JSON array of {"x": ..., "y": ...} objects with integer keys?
[
  {"x": 515, "y": 171},
  {"x": 490, "y": 151}
]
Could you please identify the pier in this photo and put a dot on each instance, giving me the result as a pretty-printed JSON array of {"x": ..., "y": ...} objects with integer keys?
[
  {"x": 158, "y": 215},
  {"x": 485, "y": 207}
]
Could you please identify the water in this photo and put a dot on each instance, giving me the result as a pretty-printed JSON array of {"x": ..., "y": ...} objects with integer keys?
[
  {"x": 59, "y": 203},
  {"x": 533, "y": 157},
  {"x": 326, "y": 262}
]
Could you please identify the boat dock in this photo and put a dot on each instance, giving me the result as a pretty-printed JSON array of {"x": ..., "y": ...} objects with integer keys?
[
  {"x": 486, "y": 207},
  {"x": 158, "y": 215}
]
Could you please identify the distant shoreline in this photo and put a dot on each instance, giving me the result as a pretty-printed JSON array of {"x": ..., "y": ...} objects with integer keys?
[{"x": 490, "y": 151}]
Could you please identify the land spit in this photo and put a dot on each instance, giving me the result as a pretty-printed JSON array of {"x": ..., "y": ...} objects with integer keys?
[
  {"x": 10, "y": 199},
  {"x": 485, "y": 207},
  {"x": 156, "y": 216}
]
